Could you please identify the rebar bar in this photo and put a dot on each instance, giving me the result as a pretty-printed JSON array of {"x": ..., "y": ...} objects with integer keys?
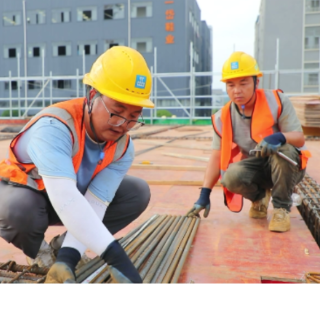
[
  {"x": 155, "y": 241},
  {"x": 177, "y": 272},
  {"x": 151, "y": 264},
  {"x": 179, "y": 250},
  {"x": 133, "y": 234},
  {"x": 150, "y": 239},
  {"x": 144, "y": 235},
  {"x": 309, "y": 191},
  {"x": 158, "y": 264},
  {"x": 87, "y": 273},
  {"x": 162, "y": 271}
]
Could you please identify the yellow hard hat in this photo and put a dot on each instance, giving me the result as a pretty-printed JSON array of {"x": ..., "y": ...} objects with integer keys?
[
  {"x": 121, "y": 73},
  {"x": 240, "y": 65}
]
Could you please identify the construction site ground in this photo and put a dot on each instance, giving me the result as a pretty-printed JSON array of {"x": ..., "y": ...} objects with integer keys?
[{"x": 228, "y": 247}]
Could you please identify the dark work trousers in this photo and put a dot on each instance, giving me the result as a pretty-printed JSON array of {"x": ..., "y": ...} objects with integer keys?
[
  {"x": 252, "y": 176},
  {"x": 26, "y": 214}
]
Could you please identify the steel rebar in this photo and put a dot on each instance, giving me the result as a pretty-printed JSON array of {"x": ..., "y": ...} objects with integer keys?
[
  {"x": 167, "y": 260},
  {"x": 133, "y": 234},
  {"x": 89, "y": 272},
  {"x": 144, "y": 235},
  {"x": 178, "y": 269},
  {"x": 178, "y": 251},
  {"x": 151, "y": 264},
  {"x": 158, "y": 264},
  {"x": 155, "y": 241},
  {"x": 149, "y": 240}
]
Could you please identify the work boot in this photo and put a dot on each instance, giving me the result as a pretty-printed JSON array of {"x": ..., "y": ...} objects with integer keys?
[
  {"x": 47, "y": 254},
  {"x": 280, "y": 220},
  {"x": 259, "y": 208}
]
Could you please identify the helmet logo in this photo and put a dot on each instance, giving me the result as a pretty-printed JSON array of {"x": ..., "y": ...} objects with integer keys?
[
  {"x": 234, "y": 65},
  {"x": 141, "y": 82}
]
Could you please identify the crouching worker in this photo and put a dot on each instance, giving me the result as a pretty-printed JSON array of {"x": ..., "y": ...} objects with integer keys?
[
  {"x": 251, "y": 134},
  {"x": 68, "y": 166}
]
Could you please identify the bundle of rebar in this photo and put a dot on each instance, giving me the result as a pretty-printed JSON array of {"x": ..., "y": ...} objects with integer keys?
[
  {"x": 10, "y": 272},
  {"x": 158, "y": 249},
  {"x": 309, "y": 191}
]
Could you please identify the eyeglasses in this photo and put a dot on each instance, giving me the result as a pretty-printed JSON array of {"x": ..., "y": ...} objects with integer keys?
[{"x": 116, "y": 121}]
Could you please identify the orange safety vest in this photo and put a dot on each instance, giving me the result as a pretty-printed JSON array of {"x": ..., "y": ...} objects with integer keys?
[
  {"x": 264, "y": 117},
  {"x": 70, "y": 113}
]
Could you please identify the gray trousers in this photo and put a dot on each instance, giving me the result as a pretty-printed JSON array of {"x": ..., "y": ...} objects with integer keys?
[
  {"x": 252, "y": 176},
  {"x": 25, "y": 214}
]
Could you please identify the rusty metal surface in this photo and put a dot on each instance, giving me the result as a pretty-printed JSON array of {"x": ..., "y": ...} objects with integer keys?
[{"x": 309, "y": 191}]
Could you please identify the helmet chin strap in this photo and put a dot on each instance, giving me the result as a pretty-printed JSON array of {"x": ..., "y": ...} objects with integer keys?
[{"x": 254, "y": 91}]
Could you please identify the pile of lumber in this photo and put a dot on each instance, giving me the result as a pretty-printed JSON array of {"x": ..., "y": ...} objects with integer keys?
[{"x": 307, "y": 109}]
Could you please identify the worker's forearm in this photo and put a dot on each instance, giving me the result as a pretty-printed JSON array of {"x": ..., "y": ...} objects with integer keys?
[
  {"x": 213, "y": 170},
  {"x": 294, "y": 138},
  {"x": 77, "y": 215}
]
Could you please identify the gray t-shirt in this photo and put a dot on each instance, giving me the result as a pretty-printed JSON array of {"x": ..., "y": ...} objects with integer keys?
[{"x": 287, "y": 122}]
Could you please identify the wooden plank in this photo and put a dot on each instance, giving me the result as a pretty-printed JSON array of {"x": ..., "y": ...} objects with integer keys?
[
  {"x": 177, "y": 183},
  {"x": 167, "y": 167},
  {"x": 174, "y": 145},
  {"x": 183, "y": 156}
]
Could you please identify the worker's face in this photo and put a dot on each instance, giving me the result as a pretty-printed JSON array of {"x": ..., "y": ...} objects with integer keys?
[
  {"x": 106, "y": 116},
  {"x": 240, "y": 90}
]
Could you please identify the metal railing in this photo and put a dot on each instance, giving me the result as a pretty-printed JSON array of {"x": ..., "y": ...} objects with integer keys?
[{"x": 188, "y": 105}]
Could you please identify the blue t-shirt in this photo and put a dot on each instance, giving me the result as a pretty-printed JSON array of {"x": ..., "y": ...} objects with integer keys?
[{"x": 48, "y": 145}]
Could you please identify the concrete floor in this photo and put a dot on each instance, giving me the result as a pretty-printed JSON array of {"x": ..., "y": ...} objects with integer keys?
[{"x": 229, "y": 247}]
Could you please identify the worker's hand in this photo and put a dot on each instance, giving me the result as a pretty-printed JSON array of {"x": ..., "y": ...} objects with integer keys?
[
  {"x": 270, "y": 145},
  {"x": 60, "y": 272},
  {"x": 202, "y": 203},
  {"x": 121, "y": 268}
]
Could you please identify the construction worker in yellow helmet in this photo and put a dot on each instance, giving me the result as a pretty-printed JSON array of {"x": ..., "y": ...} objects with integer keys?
[
  {"x": 258, "y": 147},
  {"x": 68, "y": 167}
]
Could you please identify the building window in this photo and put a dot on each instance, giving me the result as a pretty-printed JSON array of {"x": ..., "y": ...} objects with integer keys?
[
  {"x": 14, "y": 85},
  {"x": 62, "y": 84},
  {"x": 61, "y": 49},
  {"x": 61, "y": 16},
  {"x": 111, "y": 43},
  {"x": 311, "y": 65},
  {"x": 114, "y": 11},
  {"x": 36, "y": 17},
  {"x": 36, "y": 50},
  {"x": 312, "y": 35},
  {"x": 143, "y": 45},
  {"x": 312, "y": 5},
  {"x": 87, "y": 14},
  {"x": 11, "y": 51},
  {"x": 11, "y": 18},
  {"x": 141, "y": 10},
  {"x": 32, "y": 84},
  {"x": 89, "y": 48},
  {"x": 311, "y": 79}
]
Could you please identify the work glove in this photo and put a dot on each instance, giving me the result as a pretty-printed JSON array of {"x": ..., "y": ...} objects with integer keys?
[
  {"x": 60, "y": 272},
  {"x": 270, "y": 145},
  {"x": 121, "y": 268},
  {"x": 63, "y": 270},
  {"x": 202, "y": 203}
]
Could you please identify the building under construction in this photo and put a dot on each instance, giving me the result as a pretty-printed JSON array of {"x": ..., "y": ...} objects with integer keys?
[{"x": 64, "y": 38}]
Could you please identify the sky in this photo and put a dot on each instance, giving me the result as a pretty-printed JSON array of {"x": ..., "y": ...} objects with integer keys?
[{"x": 233, "y": 27}]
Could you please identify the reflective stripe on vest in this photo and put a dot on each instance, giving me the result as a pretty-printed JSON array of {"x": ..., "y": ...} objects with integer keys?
[
  {"x": 71, "y": 114},
  {"x": 264, "y": 118}
]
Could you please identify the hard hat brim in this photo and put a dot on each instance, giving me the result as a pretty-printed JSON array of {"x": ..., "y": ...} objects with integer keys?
[{"x": 259, "y": 74}]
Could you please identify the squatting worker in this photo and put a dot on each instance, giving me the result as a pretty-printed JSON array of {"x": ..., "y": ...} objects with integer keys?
[
  {"x": 258, "y": 119},
  {"x": 68, "y": 165}
]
